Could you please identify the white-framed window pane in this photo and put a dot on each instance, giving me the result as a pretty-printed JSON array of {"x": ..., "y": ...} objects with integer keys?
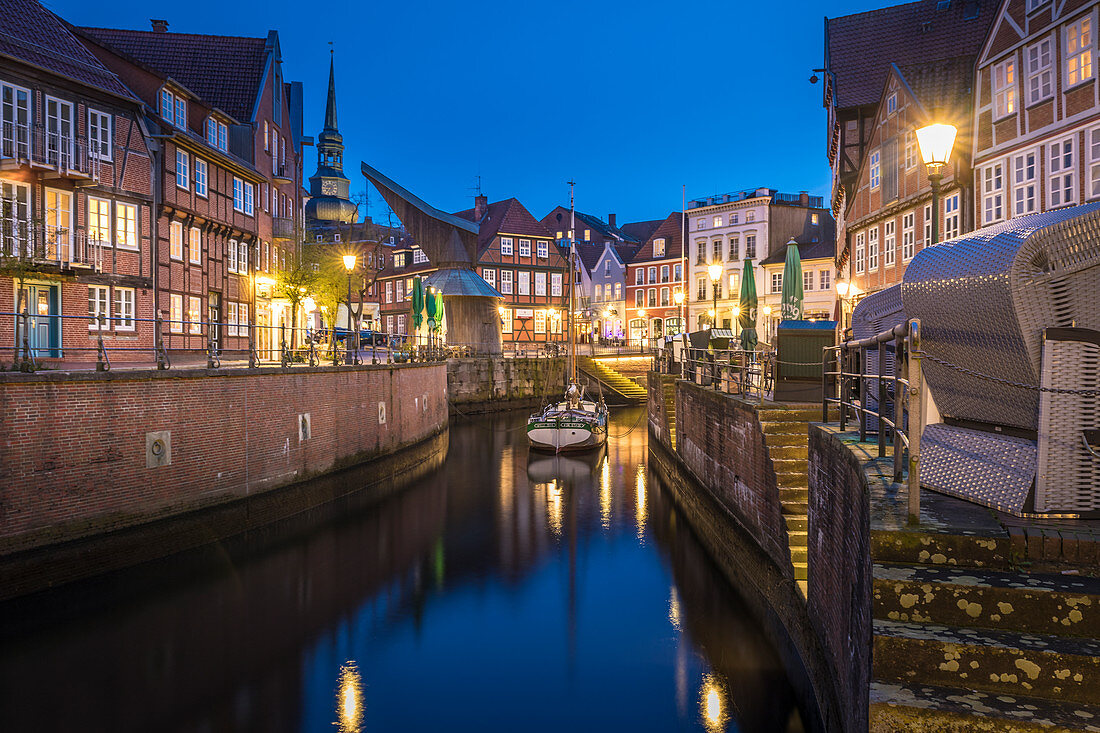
[
  {"x": 1004, "y": 88},
  {"x": 889, "y": 241},
  {"x": 1078, "y": 45},
  {"x": 181, "y": 113},
  {"x": 1040, "y": 75},
  {"x": 992, "y": 193},
  {"x": 506, "y": 245},
  {"x": 525, "y": 248},
  {"x": 231, "y": 319},
  {"x": 175, "y": 313},
  {"x": 542, "y": 249},
  {"x": 182, "y": 168},
  {"x": 907, "y": 235},
  {"x": 124, "y": 309},
  {"x": 506, "y": 282},
  {"x": 175, "y": 240},
  {"x": 489, "y": 275},
  {"x": 126, "y": 226},
  {"x": 194, "y": 314},
  {"x": 523, "y": 284},
  {"x": 99, "y": 135},
  {"x": 200, "y": 177},
  {"x": 540, "y": 283},
  {"x": 555, "y": 284},
  {"x": 825, "y": 281},
  {"x": 98, "y": 308},
  {"x": 194, "y": 245},
  {"x": 875, "y": 169}
]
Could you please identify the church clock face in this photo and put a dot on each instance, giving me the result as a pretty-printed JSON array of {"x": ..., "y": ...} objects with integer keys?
[{"x": 328, "y": 188}]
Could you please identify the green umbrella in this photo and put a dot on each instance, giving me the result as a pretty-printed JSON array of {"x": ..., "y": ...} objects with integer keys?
[
  {"x": 439, "y": 312},
  {"x": 418, "y": 302},
  {"x": 791, "y": 307},
  {"x": 431, "y": 308},
  {"x": 746, "y": 316}
]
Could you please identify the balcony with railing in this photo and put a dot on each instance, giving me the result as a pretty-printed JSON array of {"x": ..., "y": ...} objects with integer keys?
[
  {"x": 282, "y": 173},
  {"x": 50, "y": 153},
  {"x": 38, "y": 245},
  {"x": 282, "y": 228}
]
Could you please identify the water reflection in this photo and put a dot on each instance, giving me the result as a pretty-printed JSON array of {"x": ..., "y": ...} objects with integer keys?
[{"x": 537, "y": 594}]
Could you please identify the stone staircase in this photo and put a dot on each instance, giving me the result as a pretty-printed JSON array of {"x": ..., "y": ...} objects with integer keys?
[
  {"x": 668, "y": 394},
  {"x": 627, "y": 390},
  {"x": 965, "y": 641},
  {"x": 786, "y": 433}
]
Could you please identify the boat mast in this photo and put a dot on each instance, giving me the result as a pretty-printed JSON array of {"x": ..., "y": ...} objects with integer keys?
[{"x": 572, "y": 287}]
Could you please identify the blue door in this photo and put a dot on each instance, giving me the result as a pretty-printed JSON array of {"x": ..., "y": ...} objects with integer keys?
[{"x": 44, "y": 327}]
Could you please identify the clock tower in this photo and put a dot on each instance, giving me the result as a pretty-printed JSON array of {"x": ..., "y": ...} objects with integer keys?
[{"x": 328, "y": 187}]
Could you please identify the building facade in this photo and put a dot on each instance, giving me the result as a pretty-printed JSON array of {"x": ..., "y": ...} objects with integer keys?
[{"x": 654, "y": 276}]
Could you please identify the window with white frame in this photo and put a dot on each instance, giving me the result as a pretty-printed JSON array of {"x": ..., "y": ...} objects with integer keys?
[
  {"x": 639, "y": 298},
  {"x": 993, "y": 193},
  {"x": 249, "y": 201},
  {"x": 807, "y": 280},
  {"x": 506, "y": 321},
  {"x": 555, "y": 285},
  {"x": 653, "y": 298},
  {"x": 540, "y": 321},
  {"x": 607, "y": 266},
  {"x": 735, "y": 247},
  {"x": 242, "y": 257},
  {"x": 717, "y": 221},
  {"x": 927, "y": 225},
  {"x": 389, "y": 291},
  {"x": 750, "y": 216},
  {"x": 639, "y": 276},
  {"x": 99, "y": 134},
  {"x": 540, "y": 283},
  {"x": 181, "y": 113},
  {"x": 1004, "y": 88},
  {"x": 907, "y": 235},
  {"x": 126, "y": 236},
  {"x": 506, "y": 246},
  {"x": 401, "y": 324},
  {"x": 419, "y": 257},
  {"x": 242, "y": 196},
  {"x": 1093, "y": 139},
  {"x": 892, "y": 104},
  {"x": 201, "y": 177},
  {"x": 506, "y": 282},
  {"x": 175, "y": 313},
  {"x": 861, "y": 253},
  {"x": 872, "y": 249},
  {"x": 889, "y": 241},
  {"x": 597, "y": 293},
  {"x": 664, "y": 273},
  {"x": 951, "y": 216},
  {"x": 523, "y": 282},
  {"x": 542, "y": 249},
  {"x": 1024, "y": 182},
  {"x": 194, "y": 314},
  {"x": 1040, "y": 71},
  {"x": 875, "y": 169},
  {"x": 734, "y": 284},
  {"x": 1060, "y": 173},
  {"x": 1078, "y": 45},
  {"x": 489, "y": 275},
  {"x": 231, "y": 319},
  {"x": 777, "y": 282},
  {"x": 216, "y": 134},
  {"x": 716, "y": 250},
  {"x": 659, "y": 247},
  {"x": 194, "y": 245},
  {"x": 652, "y": 274},
  {"x": 910, "y": 150},
  {"x": 267, "y": 137},
  {"x": 231, "y": 265},
  {"x": 59, "y": 222},
  {"x": 825, "y": 280},
  {"x": 750, "y": 246},
  {"x": 183, "y": 169},
  {"x": 664, "y": 297},
  {"x": 399, "y": 291},
  {"x": 701, "y": 223},
  {"x": 618, "y": 291},
  {"x": 175, "y": 240},
  {"x": 525, "y": 248},
  {"x": 588, "y": 235},
  {"x": 99, "y": 220},
  {"x": 99, "y": 312}
]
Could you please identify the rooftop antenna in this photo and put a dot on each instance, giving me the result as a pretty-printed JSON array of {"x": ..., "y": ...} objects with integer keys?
[{"x": 477, "y": 186}]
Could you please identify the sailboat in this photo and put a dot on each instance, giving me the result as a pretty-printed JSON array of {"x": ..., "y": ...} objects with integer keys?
[{"x": 574, "y": 423}]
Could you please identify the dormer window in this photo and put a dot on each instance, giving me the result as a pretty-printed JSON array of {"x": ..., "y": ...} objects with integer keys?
[{"x": 217, "y": 134}]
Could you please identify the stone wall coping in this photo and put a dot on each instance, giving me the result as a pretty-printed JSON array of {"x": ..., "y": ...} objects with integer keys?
[{"x": 131, "y": 375}]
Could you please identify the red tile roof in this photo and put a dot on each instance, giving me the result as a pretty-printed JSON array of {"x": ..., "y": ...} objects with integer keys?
[
  {"x": 32, "y": 34},
  {"x": 860, "y": 48},
  {"x": 505, "y": 217},
  {"x": 225, "y": 71},
  {"x": 670, "y": 228},
  {"x": 641, "y": 231}
]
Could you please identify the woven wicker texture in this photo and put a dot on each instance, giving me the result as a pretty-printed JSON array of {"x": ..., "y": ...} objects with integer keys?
[
  {"x": 985, "y": 298},
  {"x": 986, "y": 468},
  {"x": 1069, "y": 476}
]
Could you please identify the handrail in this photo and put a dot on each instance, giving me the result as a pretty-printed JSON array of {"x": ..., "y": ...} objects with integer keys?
[{"x": 749, "y": 373}]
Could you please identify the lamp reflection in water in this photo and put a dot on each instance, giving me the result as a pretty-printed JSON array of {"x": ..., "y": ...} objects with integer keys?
[
  {"x": 640, "y": 500},
  {"x": 711, "y": 703},
  {"x": 605, "y": 493},
  {"x": 349, "y": 700},
  {"x": 554, "y": 508},
  {"x": 674, "y": 608}
]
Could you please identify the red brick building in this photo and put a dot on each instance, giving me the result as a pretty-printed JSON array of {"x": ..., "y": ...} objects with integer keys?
[
  {"x": 227, "y": 175},
  {"x": 75, "y": 197},
  {"x": 653, "y": 277}
]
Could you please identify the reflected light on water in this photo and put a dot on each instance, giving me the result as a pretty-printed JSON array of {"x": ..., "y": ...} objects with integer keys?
[
  {"x": 640, "y": 500},
  {"x": 605, "y": 493},
  {"x": 553, "y": 507},
  {"x": 349, "y": 700},
  {"x": 710, "y": 703},
  {"x": 674, "y": 608}
]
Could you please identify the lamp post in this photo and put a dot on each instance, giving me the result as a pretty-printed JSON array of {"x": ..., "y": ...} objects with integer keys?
[
  {"x": 349, "y": 265},
  {"x": 679, "y": 298},
  {"x": 641, "y": 338},
  {"x": 715, "y": 272},
  {"x": 936, "y": 141},
  {"x": 768, "y": 321}
]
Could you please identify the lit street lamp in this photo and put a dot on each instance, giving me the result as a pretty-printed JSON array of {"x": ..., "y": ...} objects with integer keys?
[
  {"x": 645, "y": 329},
  {"x": 715, "y": 272},
  {"x": 935, "y": 142},
  {"x": 349, "y": 265},
  {"x": 679, "y": 298}
]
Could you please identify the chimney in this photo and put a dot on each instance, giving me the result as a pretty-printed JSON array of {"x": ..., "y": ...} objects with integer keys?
[
  {"x": 804, "y": 198},
  {"x": 159, "y": 26},
  {"x": 481, "y": 205},
  {"x": 611, "y": 220}
]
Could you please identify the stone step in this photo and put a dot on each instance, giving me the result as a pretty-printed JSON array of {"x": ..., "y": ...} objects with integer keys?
[
  {"x": 790, "y": 465},
  {"x": 787, "y": 452},
  {"x": 1066, "y": 605},
  {"x": 791, "y": 480},
  {"x": 798, "y": 554},
  {"x": 797, "y": 537},
  {"x": 796, "y": 522},
  {"x": 1002, "y": 662},
  {"x": 927, "y": 548},
  {"x": 801, "y": 570},
  {"x": 802, "y": 415},
  {"x": 896, "y": 706},
  {"x": 785, "y": 428},
  {"x": 774, "y": 440},
  {"x": 800, "y": 495},
  {"x": 798, "y": 508}
]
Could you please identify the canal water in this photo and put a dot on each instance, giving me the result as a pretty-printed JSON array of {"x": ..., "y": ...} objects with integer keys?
[{"x": 506, "y": 592}]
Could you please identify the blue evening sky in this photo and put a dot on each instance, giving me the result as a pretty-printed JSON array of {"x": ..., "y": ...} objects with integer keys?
[{"x": 629, "y": 99}]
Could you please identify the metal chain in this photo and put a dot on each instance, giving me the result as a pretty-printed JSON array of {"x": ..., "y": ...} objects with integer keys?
[{"x": 1008, "y": 382}]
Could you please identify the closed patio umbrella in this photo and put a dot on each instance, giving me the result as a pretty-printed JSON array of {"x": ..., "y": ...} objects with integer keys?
[
  {"x": 746, "y": 317},
  {"x": 417, "y": 303},
  {"x": 790, "y": 308}
]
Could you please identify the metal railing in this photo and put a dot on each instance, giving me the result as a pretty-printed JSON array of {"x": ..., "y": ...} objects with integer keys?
[
  {"x": 867, "y": 390},
  {"x": 282, "y": 227},
  {"x": 50, "y": 245},
  {"x": 750, "y": 374},
  {"x": 40, "y": 146}
]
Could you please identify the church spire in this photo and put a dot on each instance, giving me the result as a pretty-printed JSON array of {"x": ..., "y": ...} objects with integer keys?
[{"x": 330, "y": 106}]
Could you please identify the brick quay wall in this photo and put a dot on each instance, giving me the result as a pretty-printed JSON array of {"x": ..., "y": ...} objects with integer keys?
[{"x": 85, "y": 454}]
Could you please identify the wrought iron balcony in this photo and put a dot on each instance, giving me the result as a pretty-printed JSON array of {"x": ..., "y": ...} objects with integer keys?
[
  {"x": 40, "y": 245},
  {"x": 282, "y": 174},
  {"x": 282, "y": 227},
  {"x": 51, "y": 154}
]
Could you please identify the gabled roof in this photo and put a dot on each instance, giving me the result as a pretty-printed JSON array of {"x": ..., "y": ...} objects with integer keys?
[
  {"x": 598, "y": 226},
  {"x": 825, "y": 249},
  {"x": 640, "y": 231},
  {"x": 671, "y": 230},
  {"x": 588, "y": 253},
  {"x": 946, "y": 84},
  {"x": 859, "y": 48},
  {"x": 225, "y": 71},
  {"x": 33, "y": 35},
  {"x": 505, "y": 217}
]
